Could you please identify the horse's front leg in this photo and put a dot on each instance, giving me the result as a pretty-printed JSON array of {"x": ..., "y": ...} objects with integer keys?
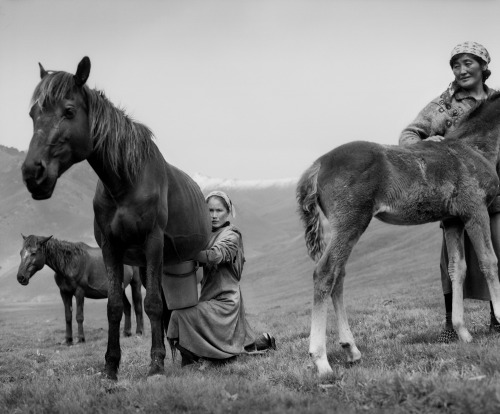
[
  {"x": 67, "y": 299},
  {"x": 80, "y": 299},
  {"x": 481, "y": 234},
  {"x": 114, "y": 268},
  {"x": 153, "y": 302},
  {"x": 453, "y": 232}
]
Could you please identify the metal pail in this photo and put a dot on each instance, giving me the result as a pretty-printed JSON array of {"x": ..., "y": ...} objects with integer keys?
[{"x": 180, "y": 285}]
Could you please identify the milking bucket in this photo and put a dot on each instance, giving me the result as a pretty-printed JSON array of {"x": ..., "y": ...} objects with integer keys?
[{"x": 180, "y": 285}]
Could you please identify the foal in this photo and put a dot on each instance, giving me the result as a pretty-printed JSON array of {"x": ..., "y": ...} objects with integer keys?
[{"x": 454, "y": 181}]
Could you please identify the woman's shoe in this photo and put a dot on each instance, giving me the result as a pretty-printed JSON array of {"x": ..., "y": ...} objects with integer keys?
[{"x": 447, "y": 335}]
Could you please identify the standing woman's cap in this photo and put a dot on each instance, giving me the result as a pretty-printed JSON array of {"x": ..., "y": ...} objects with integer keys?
[
  {"x": 226, "y": 198},
  {"x": 472, "y": 48}
]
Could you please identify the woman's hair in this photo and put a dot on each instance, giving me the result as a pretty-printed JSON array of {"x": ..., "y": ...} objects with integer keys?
[
  {"x": 486, "y": 72},
  {"x": 224, "y": 203}
]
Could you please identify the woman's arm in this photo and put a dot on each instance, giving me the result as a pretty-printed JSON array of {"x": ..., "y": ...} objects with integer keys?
[
  {"x": 224, "y": 250},
  {"x": 426, "y": 126}
]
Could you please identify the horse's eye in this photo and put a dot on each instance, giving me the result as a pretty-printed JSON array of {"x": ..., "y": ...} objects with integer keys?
[{"x": 69, "y": 113}]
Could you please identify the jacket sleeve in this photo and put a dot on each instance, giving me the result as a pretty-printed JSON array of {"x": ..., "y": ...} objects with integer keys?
[
  {"x": 430, "y": 121},
  {"x": 225, "y": 249}
]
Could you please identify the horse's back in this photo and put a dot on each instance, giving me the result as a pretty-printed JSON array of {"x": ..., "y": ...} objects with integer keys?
[
  {"x": 400, "y": 185},
  {"x": 189, "y": 225}
]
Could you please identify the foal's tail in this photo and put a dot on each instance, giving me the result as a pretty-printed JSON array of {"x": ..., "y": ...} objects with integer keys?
[{"x": 309, "y": 210}]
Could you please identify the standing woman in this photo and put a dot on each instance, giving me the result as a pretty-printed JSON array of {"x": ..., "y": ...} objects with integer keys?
[
  {"x": 217, "y": 328},
  {"x": 469, "y": 63}
]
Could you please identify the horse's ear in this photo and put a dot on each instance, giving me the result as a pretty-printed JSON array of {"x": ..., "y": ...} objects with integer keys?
[
  {"x": 44, "y": 240},
  {"x": 43, "y": 72},
  {"x": 82, "y": 72},
  {"x": 24, "y": 237}
]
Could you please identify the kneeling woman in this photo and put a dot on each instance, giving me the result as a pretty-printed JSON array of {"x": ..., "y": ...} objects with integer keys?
[{"x": 217, "y": 328}]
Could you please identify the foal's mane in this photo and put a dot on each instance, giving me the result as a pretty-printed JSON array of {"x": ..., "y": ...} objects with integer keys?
[
  {"x": 124, "y": 144},
  {"x": 60, "y": 252}
]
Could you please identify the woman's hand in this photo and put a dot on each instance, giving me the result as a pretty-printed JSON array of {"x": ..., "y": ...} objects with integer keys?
[{"x": 434, "y": 138}]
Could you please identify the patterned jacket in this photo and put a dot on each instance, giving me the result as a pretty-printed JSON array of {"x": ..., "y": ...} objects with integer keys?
[{"x": 442, "y": 115}]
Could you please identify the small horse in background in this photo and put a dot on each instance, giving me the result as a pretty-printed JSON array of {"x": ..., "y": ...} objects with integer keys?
[
  {"x": 453, "y": 180},
  {"x": 147, "y": 213},
  {"x": 79, "y": 272}
]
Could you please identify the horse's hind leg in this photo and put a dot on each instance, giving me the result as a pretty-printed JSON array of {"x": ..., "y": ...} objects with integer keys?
[
  {"x": 67, "y": 299},
  {"x": 478, "y": 229},
  {"x": 80, "y": 298},
  {"x": 135, "y": 286},
  {"x": 329, "y": 269},
  {"x": 456, "y": 270},
  {"x": 127, "y": 311},
  {"x": 346, "y": 338}
]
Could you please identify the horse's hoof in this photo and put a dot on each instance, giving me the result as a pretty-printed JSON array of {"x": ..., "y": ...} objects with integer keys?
[
  {"x": 156, "y": 378},
  {"x": 156, "y": 370},
  {"x": 109, "y": 375},
  {"x": 67, "y": 342},
  {"x": 81, "y": 341},
  {"x": 127, "y": 334}
]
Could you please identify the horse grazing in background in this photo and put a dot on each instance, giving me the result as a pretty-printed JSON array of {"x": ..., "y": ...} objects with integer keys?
[
  {"x": 79, "y": 272},
  {"x": 147, "y": 212},
  {"x": 454, "y": 181}
]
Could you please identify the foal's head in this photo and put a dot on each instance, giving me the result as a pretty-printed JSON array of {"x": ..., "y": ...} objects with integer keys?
[
  {"x": 32, "y": 257},
  {"x": 61, "y": 134}
]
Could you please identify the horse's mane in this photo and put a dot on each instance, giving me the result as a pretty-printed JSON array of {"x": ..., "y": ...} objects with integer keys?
[
  {"x": 123, "y": 143},
  {"x": 484, "y": 116},
  {"x": 60, "y": 252}
]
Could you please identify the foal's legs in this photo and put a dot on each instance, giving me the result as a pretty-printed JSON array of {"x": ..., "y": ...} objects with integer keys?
[
  {"x": 327, "y": 282},
  {"x": 456, "y": 270},
  {"x": 80, "y": 298},
  {"x": 67, "y": 299},
  {"x": 127, "y": 327},
  {"x": 478, "y": 229}
]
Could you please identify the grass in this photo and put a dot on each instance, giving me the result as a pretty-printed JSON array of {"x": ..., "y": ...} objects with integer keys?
[{"x": 403, "y": 369}]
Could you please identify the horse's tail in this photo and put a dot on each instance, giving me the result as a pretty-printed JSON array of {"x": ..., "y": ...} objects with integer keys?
[{"x": 310, "y": 211}]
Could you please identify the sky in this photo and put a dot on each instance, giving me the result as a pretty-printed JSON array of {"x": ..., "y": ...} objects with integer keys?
[{"x": 245, "y": 89}]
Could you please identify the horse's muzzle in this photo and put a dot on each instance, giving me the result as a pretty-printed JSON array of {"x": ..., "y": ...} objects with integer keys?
[
  {"x": 23, "y": 280},
  {"x": 38, "y": 182}
]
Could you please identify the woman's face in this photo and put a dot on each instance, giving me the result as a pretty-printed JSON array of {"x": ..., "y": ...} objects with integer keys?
[
  {"x": 218, "y": 211},
  {"x": 468, "y": 72}
]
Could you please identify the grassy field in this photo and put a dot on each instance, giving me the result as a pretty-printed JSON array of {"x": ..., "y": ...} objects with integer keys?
[{"x": 403, "y": 368}]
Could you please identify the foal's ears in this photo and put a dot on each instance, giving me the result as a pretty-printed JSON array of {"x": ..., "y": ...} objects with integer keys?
[
  {"x": 82, "y": 72},
  {"x": 43, "y": 72},
  {"x": 44, "y": 240}
]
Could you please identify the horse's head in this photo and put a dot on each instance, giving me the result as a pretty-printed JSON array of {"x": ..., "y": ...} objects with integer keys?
[
  {"x": 61, "y": 131},
  {"x": 32, "y": 257}
]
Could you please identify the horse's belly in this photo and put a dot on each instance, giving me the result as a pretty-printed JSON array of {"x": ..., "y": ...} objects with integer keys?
[{"x": 417, "y": 213}]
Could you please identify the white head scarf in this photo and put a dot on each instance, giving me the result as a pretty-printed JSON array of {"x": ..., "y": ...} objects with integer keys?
[{"x": 226, "y": 198}]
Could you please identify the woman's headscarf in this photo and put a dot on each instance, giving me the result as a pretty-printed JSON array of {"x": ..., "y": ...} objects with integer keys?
[
  {"x": 226, "y": 199},
  {"x": 472, "y": 48}
]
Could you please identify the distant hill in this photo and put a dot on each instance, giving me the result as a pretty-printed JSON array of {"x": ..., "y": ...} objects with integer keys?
[{"x": 278, "y": 272}]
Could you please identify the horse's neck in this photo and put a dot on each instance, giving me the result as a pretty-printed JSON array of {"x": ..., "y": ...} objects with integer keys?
[{"x": 60, "y": 259}]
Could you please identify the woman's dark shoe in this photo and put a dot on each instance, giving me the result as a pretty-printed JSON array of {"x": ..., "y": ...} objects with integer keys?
[
  {"x": 447, "y": 336},
  {"x": 266, "y": 341}
]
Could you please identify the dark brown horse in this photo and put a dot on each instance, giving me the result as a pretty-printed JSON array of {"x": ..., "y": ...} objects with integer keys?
[
  {"x": 79, "y": 272},
  {"x": 147, "y": 212},
  {"x": 454, "y": 180}
]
